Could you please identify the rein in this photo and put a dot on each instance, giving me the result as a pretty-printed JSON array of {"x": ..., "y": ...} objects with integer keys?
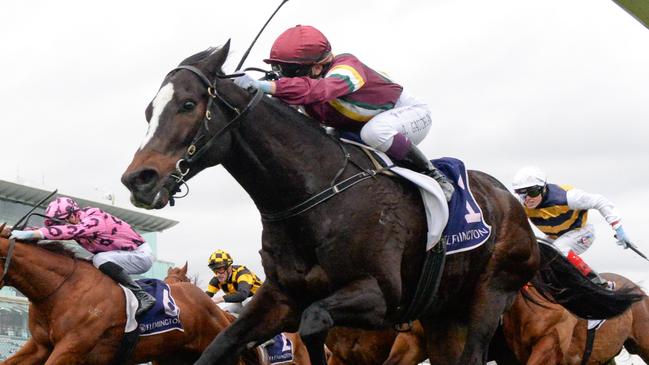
[
  {"x": 326, "y": 194},
  {"x": 204, "y": 138},
  {"x": 7, "y": 259}
]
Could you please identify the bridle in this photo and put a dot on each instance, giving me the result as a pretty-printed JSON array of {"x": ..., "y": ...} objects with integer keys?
[
  {"x": 206, "y": 135},
  {"x": 205, "y": 138}
]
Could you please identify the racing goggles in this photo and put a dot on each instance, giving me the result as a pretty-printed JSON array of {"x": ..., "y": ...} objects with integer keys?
[
  {"x": 218, "y": 269},
  {"x": 291, "y": 69},
  {"x": 532, "y": 191}
]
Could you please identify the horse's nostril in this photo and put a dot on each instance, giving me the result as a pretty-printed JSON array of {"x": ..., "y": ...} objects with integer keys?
[{"x": 142, "y": 180}]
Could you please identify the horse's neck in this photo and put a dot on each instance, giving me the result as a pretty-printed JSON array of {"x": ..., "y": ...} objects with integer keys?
[
  {"x": 280, "y": 157},
  {"x": 34, "y": 271}
]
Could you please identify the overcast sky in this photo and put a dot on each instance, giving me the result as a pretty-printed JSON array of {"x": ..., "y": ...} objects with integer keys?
[{"x": 561, "y": 84}]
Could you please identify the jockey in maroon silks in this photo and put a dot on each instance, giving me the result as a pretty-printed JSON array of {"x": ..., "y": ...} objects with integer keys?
[{"x": 342, "y": 92}]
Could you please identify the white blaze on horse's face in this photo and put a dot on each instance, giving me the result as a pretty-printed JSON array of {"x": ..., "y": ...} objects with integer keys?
[{"x": 161, "y": 100}]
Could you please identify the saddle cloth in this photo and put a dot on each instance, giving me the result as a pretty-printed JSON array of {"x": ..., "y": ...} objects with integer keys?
[
  {"x": 458, "y": 223},
  {"x": 280, "y": 350},
  {"x": 163, "y": 317}
]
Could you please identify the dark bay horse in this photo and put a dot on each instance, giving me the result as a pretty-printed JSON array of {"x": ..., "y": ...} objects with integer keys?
[
  {"x": 77, "y": 314},
  {"x": 544, "y": 333},
  {"x": 300, "y": 354},
  {"x": 353, "y": 260}
]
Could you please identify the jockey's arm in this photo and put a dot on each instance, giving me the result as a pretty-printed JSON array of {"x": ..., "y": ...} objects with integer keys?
[
  {"x": 579, "y": 199},
  {"x": 242, "y": 293},
  {"x": 305, "y": 90},
  {"x": 212, "y": 287},
  {"x": 88, "y": 227}
]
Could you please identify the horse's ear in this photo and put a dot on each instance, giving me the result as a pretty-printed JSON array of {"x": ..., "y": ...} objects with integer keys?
[
  {"x": 2, "y": 231},
  {"x": 215, "y": 61},
  {"x": 184, "y": 268},
  {"x": 169, "y": 270}
]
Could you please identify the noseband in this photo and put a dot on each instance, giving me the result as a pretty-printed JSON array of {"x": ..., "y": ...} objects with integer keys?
[{"x": 206, "y": 135}]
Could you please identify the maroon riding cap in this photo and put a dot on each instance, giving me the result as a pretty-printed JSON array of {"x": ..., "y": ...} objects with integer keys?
[{"x": 301, "y": 44}]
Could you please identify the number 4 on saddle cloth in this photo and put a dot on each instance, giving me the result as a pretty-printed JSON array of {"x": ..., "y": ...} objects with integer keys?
[
  {"x": 163, "y": 317},
  {"x": 459, "y": 223}
]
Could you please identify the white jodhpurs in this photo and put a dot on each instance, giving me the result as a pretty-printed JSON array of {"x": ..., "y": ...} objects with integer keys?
[
  {"x": 409, "y": 117},
  {"x": 234, "y": 308},
  {"x": 137, "y": 261},
  {"x": 578, "y": 240}
]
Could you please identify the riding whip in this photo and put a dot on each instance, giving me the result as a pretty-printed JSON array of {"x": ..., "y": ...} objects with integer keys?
[
  {"x": 245, "y": 55},
  {"x": 636, "y": 250},
  {"x": 33, "y": 209}
]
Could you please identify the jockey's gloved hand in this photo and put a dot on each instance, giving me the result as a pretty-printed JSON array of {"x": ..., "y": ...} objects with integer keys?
[
  {"x": 25, "y": 235},
  {"x": 622, "y": 238},
  {"x": 246, "y": 81}
]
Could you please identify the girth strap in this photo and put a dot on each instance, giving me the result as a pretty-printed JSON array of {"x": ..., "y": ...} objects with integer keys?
[
  {"x": 590, "y": 340},
  {"x": 427, "y": 286}
]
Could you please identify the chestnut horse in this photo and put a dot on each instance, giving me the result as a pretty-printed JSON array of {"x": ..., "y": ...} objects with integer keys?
[
  {"x": 349, "y": 258},
  {"x": 77, "y": 314},
  {"x": 353, "y": 346},
  {"x": 300, "y": 354},
  {"x": 543, "y": 333}
]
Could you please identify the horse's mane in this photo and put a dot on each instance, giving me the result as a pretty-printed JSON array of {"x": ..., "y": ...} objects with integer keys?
[
  {"x": 59, "y": 248},
  {"x": 285, "y": 109}
]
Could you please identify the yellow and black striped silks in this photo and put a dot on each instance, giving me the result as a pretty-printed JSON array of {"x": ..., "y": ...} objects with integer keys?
[
  {"x": 553, "y": 216},
  {"x": 240, "y": 274}
]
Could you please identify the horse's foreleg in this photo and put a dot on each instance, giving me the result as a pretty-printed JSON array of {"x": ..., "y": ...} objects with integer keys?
[
  {"x": 445, "y": 338},
  {"x": 268, "y": 313},
  {"x": 31, "y": 353},
  {"x": 315, "y": 344},
  {"x": 358, "y": 304},
  {"x": 486, "y": 309},
  {"x": 408, "y": 348},
  {"x": 546, "y": 351},
  {"x": 66, "y": 355}
]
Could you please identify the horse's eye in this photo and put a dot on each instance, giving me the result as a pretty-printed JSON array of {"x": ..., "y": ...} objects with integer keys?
[{"x": 188, "y": 106}]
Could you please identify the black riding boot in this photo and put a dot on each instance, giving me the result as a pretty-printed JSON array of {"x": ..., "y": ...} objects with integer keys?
[
  {"x": 145, "y": 300},
  {"x": 416, "y": 160}
]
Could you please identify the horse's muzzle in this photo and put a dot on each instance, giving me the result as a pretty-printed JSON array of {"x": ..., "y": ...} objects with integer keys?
[{"x": 146, "y": 189}]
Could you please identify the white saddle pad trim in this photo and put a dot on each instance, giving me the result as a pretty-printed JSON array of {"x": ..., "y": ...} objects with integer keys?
[
  {"x": 131, "y": 308},
  {"x": 595, "y": 323}
]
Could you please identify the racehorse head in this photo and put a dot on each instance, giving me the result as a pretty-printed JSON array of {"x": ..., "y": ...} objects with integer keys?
[
  {"x": 177, "y": 275},
  {"x": 186, "y": 130}
]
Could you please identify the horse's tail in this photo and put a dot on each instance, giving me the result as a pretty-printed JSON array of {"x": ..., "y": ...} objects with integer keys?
[{"x": 559, "y": 281}]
